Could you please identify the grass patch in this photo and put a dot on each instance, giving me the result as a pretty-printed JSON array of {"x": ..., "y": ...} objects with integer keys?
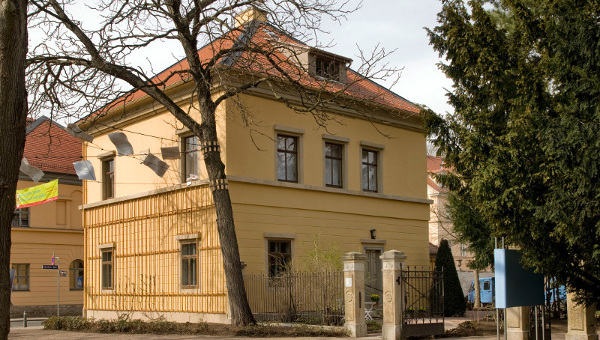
[{"x": 161, "y": 326}]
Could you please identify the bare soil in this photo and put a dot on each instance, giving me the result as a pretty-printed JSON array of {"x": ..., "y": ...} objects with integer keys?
[{"x": 488, "y": 327}]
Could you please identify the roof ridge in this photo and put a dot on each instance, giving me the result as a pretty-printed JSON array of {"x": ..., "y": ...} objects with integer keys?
[{"x": 36, "y": 123}]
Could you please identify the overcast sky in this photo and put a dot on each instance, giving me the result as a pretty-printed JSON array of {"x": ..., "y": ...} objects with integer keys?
[
  {"x": 394, "y": 24},
  {"x": 399, "y": 24}
]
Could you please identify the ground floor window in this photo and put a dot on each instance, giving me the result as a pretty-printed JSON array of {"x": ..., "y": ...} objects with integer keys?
[
  {"x": 279, "y": 256},
  {"x": 189, "y": 264},
  {"x": 21, "y": 281},
  {"x": 107, "y": 268},
  {"x": 76, "y": 275}
]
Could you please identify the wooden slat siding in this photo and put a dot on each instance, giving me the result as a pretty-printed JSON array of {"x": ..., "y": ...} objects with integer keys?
[{"x": 146, "y": 255}]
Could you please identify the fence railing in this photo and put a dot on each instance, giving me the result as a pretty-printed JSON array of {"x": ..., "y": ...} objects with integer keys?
[
  {"x": 423, "y": 291},
  {"x": 313, "y": 298}
]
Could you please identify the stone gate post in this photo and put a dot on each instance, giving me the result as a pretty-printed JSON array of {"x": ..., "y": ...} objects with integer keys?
[
  {"x": 581, "y": 319},
  {"x": 517, "y": 323},
  {"x": 354, "y": 294},
  {"x": 392, "y": 295}
]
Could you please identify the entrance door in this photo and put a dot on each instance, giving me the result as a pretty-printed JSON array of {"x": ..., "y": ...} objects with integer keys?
[{"x": 373, "y": 280}]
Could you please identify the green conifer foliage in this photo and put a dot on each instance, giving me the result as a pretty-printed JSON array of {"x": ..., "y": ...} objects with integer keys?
[
  {"x": 454, "y": 300},
  {"x": 523, "y": 142}
]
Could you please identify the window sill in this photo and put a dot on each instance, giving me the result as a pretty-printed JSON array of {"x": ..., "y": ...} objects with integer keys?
[
  {"x": 285, "y": 181},
  {"x": 189, "y": 289},
  {"x": 21, "y": 290}
]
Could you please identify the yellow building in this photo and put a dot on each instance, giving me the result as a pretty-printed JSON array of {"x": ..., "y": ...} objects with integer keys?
[
  {"x": 152, "y": 247},
  {"x": 55, "y": 227}
]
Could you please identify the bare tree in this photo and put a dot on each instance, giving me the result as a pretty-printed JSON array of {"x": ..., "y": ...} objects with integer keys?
[
  {"x": 79, "y": 67},
  {"x": 13, "y": 113}
]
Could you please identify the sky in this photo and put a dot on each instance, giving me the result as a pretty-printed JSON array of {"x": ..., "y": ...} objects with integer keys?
[
  {"x": 392, "y": 24},
  {"x": 399, "y": 24}
]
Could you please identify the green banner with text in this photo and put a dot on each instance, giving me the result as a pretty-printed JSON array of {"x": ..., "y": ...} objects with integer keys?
[{"x": 38, "y": 194}]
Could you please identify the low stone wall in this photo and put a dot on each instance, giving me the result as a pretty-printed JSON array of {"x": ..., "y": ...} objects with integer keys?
[{"x": 45, "y": 310}]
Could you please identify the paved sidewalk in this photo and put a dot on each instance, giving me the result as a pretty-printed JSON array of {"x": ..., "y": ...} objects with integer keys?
[{"x": 38, "y": 333}]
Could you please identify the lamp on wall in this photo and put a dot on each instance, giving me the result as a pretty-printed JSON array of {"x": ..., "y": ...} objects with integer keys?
[{"x": 373, "y": 234}]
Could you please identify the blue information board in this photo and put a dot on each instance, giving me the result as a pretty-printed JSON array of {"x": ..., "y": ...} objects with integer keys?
[{"x": 516, "y": 286}]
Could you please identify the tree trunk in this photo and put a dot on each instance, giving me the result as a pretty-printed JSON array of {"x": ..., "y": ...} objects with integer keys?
[
  {"x": 238, "y": 301},
  {"x": 13, "y": 113},
  {"x": 477, "y": 287}
]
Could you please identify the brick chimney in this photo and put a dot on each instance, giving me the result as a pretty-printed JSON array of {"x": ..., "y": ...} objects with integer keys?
[{"x": 251, "y": 14}]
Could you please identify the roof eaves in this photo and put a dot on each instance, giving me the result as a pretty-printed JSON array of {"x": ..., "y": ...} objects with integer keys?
[
  {"x": 383, "y": 87},
  {"x": 35, "y": 124}
]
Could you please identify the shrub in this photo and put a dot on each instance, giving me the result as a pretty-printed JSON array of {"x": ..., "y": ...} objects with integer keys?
[
  {"x": 161, "y": 326},
  {"x": 454, "y": 300}
]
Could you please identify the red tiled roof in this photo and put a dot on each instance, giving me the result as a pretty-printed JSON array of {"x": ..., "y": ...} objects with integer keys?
[
  {"x": 433, "y": 249},
  {"x": 267, "y": 37},
  {"x": 433, "y": 184},
  {"x": 50, "y": 148},
  {"x": 435, "y": 165}
]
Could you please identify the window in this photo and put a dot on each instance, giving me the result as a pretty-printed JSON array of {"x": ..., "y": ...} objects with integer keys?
[
  {"x": 21, "y": 281},
  {"x": 369, "y": 170},
  {"x": 279, "y": 256},
  {"x": 189, "y": 264},
  {"x": 486, "y": 285},
  {"x": 107, "y": 268},
  {"x": 76, "y": 275},
  {"x": 108, "y": 178},
  {"x": 327, "y": 68},
  {"x": 21, "y": 218},
  {"x": 287, "y": 158},
  {"x": 333, "y": 164},
  {"x": 190, "y": 157},
  {"x": 463, "y": 249}
]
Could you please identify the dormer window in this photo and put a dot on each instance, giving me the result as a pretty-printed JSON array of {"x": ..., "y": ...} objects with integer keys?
[{"x": 327, "y": 68}]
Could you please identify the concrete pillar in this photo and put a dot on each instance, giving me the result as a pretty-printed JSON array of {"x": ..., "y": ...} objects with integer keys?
[
  {"x": 517, "y": 323},
  {"x": 392, "y": 295},
  {"x": 582, "y": 321},
  {"x": 354, "y": 294}
]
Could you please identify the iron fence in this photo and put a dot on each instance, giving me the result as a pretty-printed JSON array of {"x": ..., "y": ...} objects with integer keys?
[
  {"x": 312, "y": 298},
  {"x": 423, "y": 292}
]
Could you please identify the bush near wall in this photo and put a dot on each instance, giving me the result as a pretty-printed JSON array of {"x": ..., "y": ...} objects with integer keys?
[{"x": 160, "y": 326}]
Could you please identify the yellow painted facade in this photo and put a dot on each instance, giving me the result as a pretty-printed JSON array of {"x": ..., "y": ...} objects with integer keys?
[
  {"x": 53, "y": 227},
  {"x": 144, "y": 221}
]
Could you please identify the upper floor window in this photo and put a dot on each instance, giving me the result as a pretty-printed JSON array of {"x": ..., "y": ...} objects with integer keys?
[
  {"x": 279, "y": 256},
  {"x": 333, "y": 164},
  {"x": 463, "y": 249},
  {"x": 21, "y": 280},
  {"x": 287, "y": 158},
  {"x": 190, "y": 157},
  {"x": 107, "y": 268},
  {"x": 327, "y": 68},
  {"x": 76, "y": 275},
  {"x": 21, "y": 217},
  {"x": 189, "y": 264},
  {"x": 108, "y": 178},
  {"x": 369, "y": 170}
]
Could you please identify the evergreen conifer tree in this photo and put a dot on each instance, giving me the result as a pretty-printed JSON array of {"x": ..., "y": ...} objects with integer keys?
[{"x": 454, "y": 300}]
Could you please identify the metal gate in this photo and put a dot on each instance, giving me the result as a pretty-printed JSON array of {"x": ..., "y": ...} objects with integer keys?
[{"x": 423, "y": 292}]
